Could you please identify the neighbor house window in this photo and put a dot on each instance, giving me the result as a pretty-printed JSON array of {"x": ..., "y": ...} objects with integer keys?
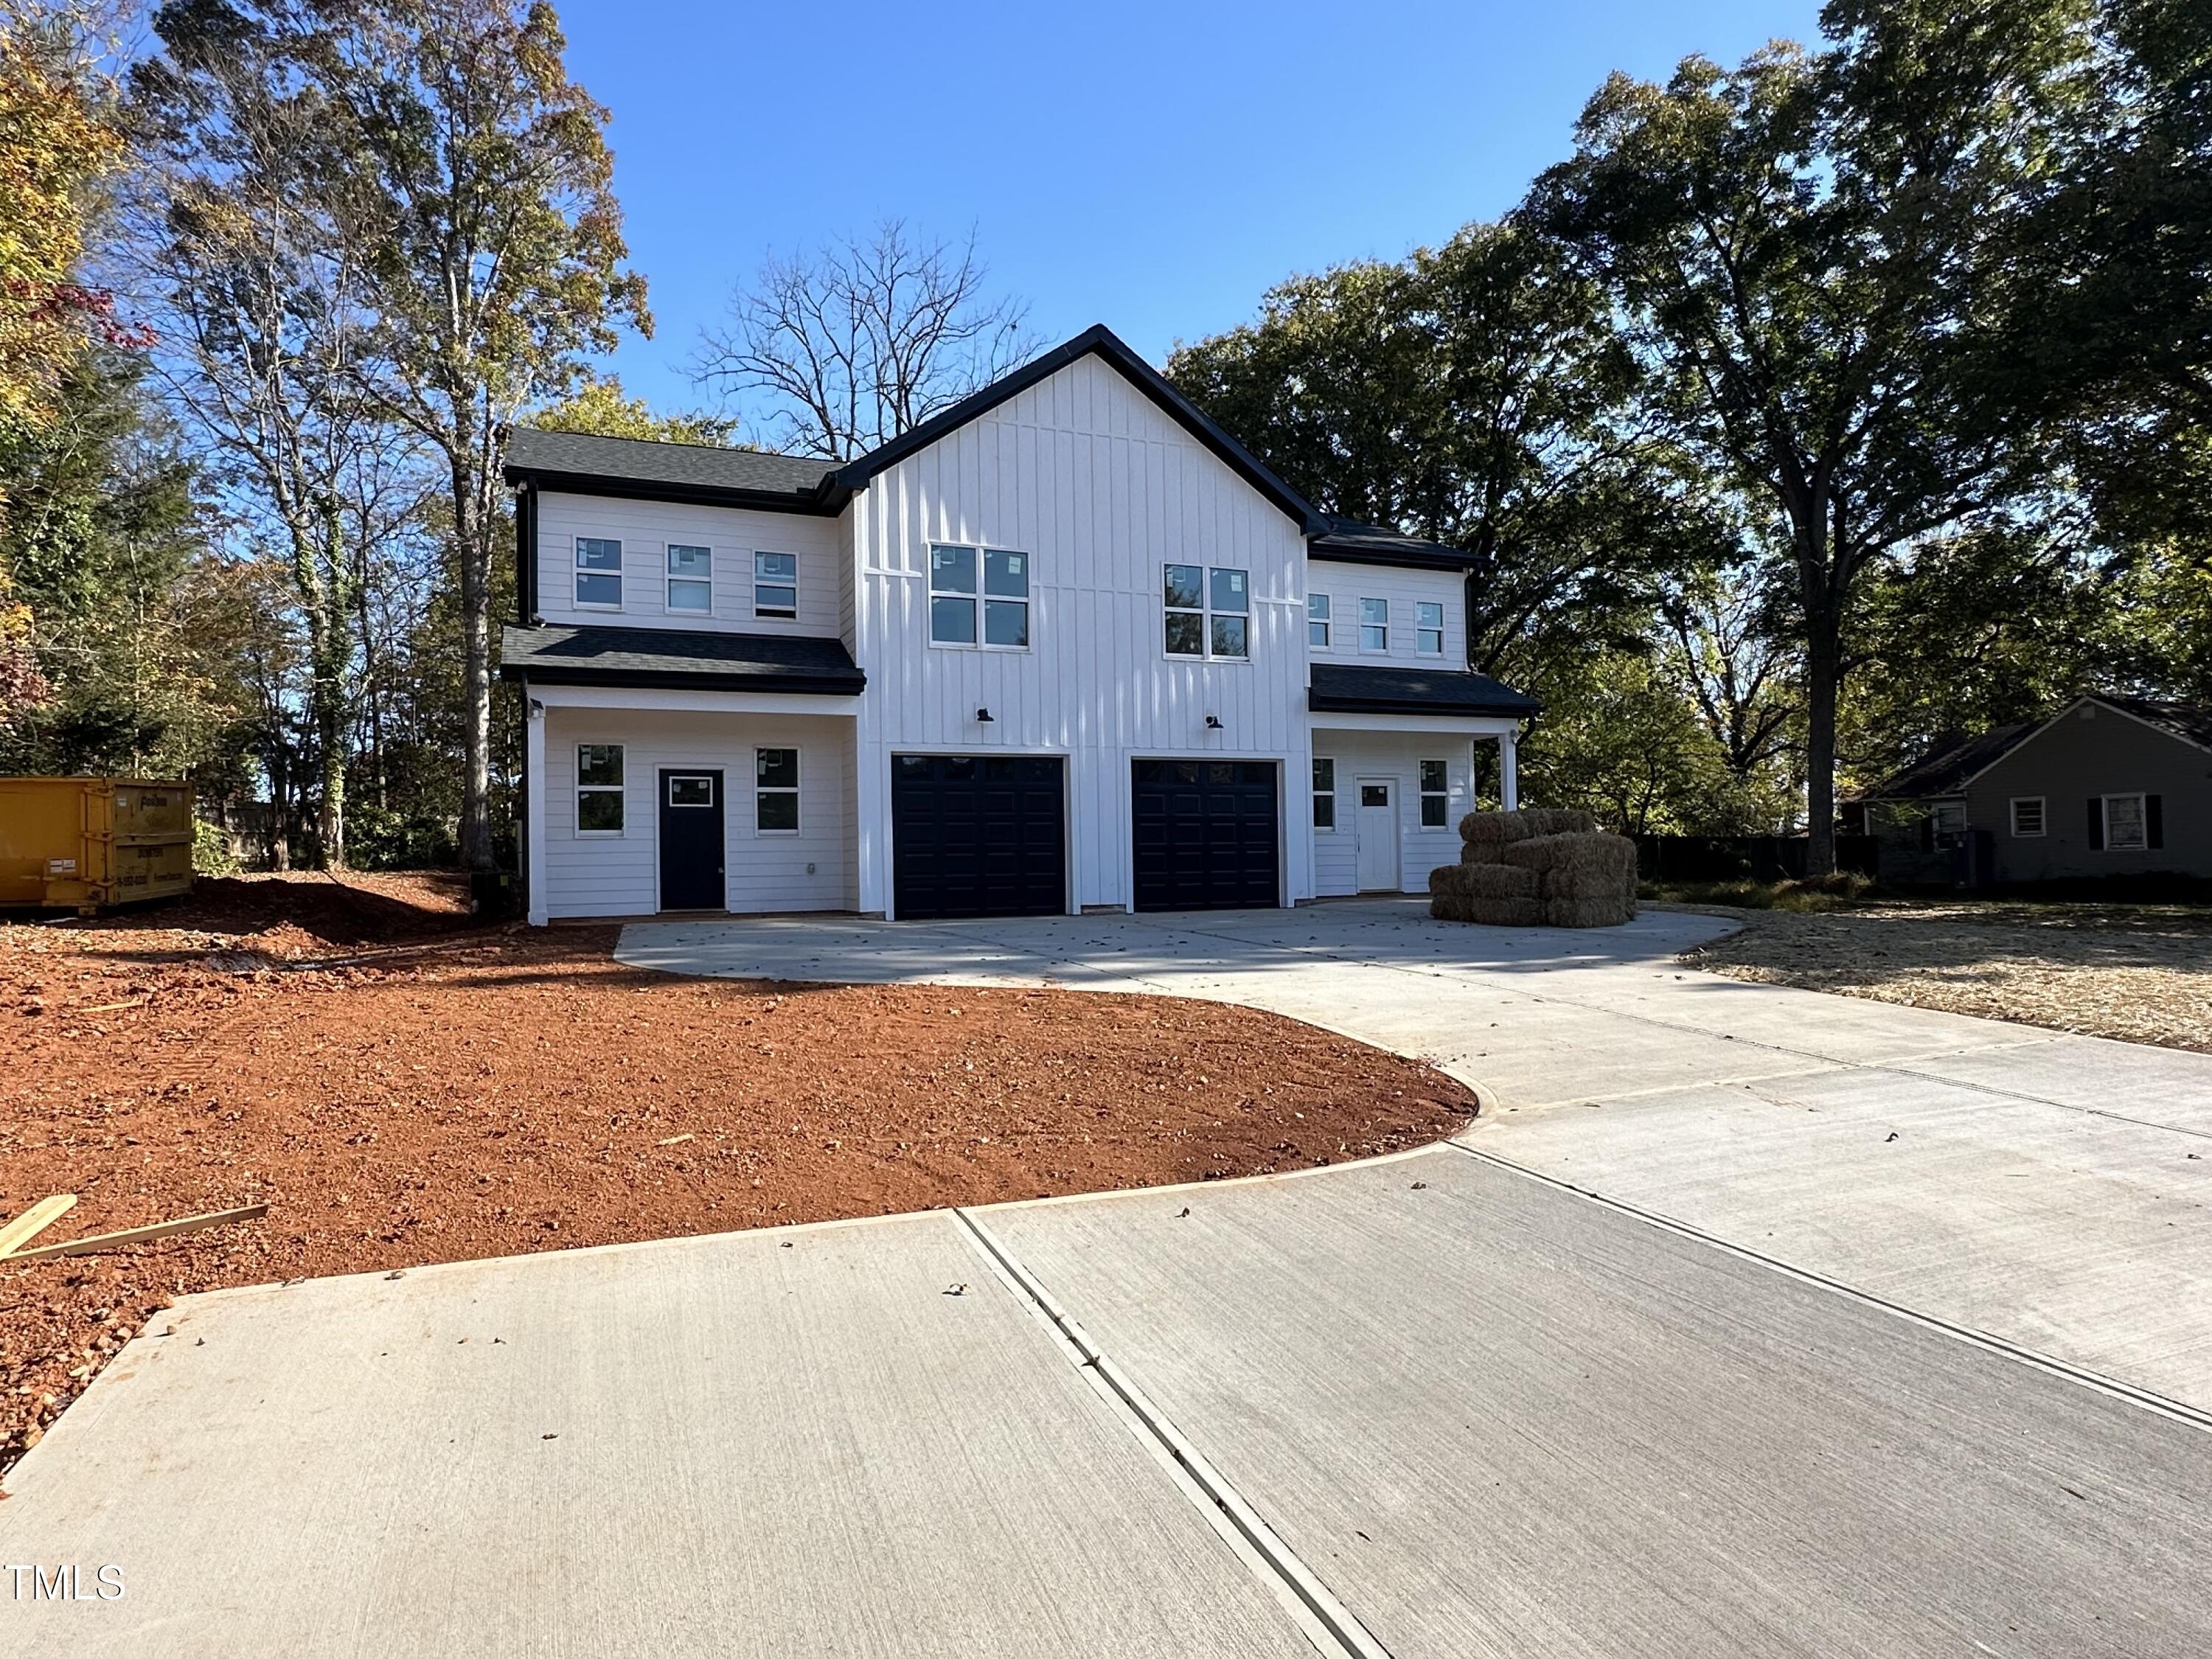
[
  {"x": 776, "y": 787},
  {"x": 2129, "y": 822},
  {"x": 1436, "y": 795},
  {"x": 1317, "y": 621},
  {"x": 1209, "y": 611},
  {"x": 1324, "y": 794},
  {"x": 956, "y": 574},
  {"x": 598, "y": 789},
  {"x": 691, "y": 579},
  {"x": 775, "y": 584},
  {"x": 1429, "y": 630},
  {"x": 599, "y": 573},
  {"x": 2027, "y": 815},
  {"x": 1375, "y": 625}
]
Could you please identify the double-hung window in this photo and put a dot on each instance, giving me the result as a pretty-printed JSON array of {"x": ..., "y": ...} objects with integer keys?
[
  {"x": 776, "y": 791},
  {"x": 956, "y": 574},
  {"x": 1324, "y": 793},
  {"x": 2130, "y": 822},
  {"x": 1436, "y": 795},
  {"x": 1317, "y": 621},
  {"x": 1208, "y": 610},
  {"x": 598, "y": 789},
  {"x": 1429, "y": 628},
  {"x": 1375, "y": 625},
  {"x": 690, "y": 580},
  {"x": 599, "y": 573},
  {"x": 775, "y": 584}
]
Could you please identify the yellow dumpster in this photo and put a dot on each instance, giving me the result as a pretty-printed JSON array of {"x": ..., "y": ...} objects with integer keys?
[{"x": 84, "y": 843}]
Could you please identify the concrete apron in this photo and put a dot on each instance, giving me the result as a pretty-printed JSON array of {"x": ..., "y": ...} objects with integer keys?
[
  {"x": 2051, "y": 1190},
  {"x": 1424, "y": 1406}
]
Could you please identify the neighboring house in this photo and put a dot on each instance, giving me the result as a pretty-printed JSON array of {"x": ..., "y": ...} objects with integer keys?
[
  {"x": 1066, "y": 646},
  {"x": 2110, "y": 786}
]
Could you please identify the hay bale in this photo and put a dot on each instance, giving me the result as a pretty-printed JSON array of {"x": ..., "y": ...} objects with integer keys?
[
  {"x": 1451, "y": 906},
  {"x": 1482, "y": 881},
  {"x": 1610, "y": 911},
  {"x": 1577, "y": 867},
  {"x": 1558, "y": 821},
  {"x": 1506, "y": 911}
]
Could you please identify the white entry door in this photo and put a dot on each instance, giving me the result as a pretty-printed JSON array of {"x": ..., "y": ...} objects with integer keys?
[{"x": 1378, "y": 835}]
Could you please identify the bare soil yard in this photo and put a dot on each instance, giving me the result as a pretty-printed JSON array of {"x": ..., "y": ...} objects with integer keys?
[
  {"x": 401, "y": 1088},
  {"x": 2141, "y": 973}
]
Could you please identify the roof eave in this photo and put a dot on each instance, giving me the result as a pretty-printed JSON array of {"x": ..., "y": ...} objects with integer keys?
[
  {"x": 684, "y": 679},
  {"x": 826, "y": 500}
]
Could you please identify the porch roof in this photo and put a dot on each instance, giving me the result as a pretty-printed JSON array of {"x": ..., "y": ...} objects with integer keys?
[
  {"x": 690, "y": 659},
  {"x": 1358, "y": 688}
]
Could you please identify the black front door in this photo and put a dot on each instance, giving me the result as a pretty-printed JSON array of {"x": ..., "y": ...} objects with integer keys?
[
  {"x": 1203, "y": 835},
  {"x": 691, "y": 840},
  {"x": 978, "y": 835}
]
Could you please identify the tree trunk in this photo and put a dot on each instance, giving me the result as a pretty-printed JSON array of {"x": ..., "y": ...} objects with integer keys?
[
  {"x": 1823, "y": 677},
  {"x": 473, "y": 554}
]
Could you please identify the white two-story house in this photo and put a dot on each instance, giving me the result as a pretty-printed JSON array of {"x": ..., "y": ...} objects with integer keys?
[{"x": 1067, "y": 647}]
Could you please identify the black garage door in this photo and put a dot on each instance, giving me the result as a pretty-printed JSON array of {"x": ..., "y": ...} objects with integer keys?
[
  {"x": 978, "y": 835},
  {"x": 1205, "y": 835}
]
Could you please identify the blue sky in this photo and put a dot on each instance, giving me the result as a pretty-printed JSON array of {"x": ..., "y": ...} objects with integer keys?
[{"x": 1153, "y": 165}]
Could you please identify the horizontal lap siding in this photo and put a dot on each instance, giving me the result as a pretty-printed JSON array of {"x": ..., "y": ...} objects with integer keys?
[
  {"x": 645, "y": 529},
  {"x": 1397, "y": 756},
  {"x": 1348, "y": 584},
  {"x": 1087, "y": 476},
  {"x": 603, "y": 876}
]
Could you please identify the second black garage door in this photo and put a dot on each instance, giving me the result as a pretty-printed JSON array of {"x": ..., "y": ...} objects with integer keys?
[
  {"x": 1205, "y": 835},
  {"x": 978, "y": 835}
]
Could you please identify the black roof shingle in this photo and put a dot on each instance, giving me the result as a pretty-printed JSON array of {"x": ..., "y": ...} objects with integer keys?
[
  {"x": 550, "y": 458},
  {"x": 1357, "y": 688},
  {"x": 696, "y": 658}
]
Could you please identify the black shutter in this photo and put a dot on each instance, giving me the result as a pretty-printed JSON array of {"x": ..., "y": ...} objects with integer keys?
[
  {"x": 2154, "y": 821},
  {"x": 2096, "y": 822}
]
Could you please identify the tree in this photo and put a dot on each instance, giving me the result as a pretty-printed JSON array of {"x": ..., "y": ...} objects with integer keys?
[
  {"x": 599, "y": 407},
  {"x": 848, "y": 346},
  {"x": 1478, "y": 395},
  {"x": 1801, "y": 245},
  {"x": 485, "y": 188},
  {"x": 58, "y": 140},
  {"x": 1721, "y": 645},
  {"x": 256, "y": 262}
]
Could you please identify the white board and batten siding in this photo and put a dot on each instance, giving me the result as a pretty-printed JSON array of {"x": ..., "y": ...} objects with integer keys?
[
  {"x": 647, "y": 529},
  {"x": 1101, "y": 489},
  {"x": 605, "y": 875},
  {"x": 1404, "y": 590},
  {"x": 1397, "y": 757}
]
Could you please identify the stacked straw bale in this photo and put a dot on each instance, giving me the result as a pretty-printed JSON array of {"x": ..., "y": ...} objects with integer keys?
[{"x": 1536, "y": 868}]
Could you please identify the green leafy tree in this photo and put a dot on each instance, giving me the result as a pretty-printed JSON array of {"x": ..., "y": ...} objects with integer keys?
[
  {"x": 600, "y": 407},
  {"x": 1802, "y": 247},
  {"x": 496, "y": 265}
]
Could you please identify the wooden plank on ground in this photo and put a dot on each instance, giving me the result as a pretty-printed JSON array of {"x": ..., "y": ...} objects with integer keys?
[
  {"x": 34, "y": 1221},
  {"x": 99, "y": 1241}
]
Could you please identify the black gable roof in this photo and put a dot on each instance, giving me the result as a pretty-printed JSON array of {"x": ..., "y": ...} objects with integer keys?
[
  {"x": 1098, "y": 341},
  {"x": 665, "y": 471},
  {"x": 2190, "y": 721}
]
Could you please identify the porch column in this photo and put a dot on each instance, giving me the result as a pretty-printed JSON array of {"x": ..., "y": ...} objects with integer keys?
[
  {"x": 533, "y": 773},
  {"x": 1509, "y": 777}
]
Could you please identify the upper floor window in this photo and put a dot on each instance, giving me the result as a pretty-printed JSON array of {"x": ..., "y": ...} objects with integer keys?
[
  {"x": 599, "y": 573},
  {"x": 691, "y": 579},
  {"x": 1429, "y": 628},
  {"x": 775, "y": 584},
  {"x": 956, "y": 574},
  {"x": 1375, "y": 625},
  {"x": 1209, "y": 611},
  {"x": 1317, "y": 621},
  {"x": 598, "y": 789}
]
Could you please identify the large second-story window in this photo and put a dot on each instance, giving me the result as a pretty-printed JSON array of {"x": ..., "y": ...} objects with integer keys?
[
  {"x": 599, "y": 573},
  {"x": 1209, "y": 611},
  {"x": 956, "y": 574},
  {"x": 690, "y": 580},
  {"x": 1429, "y": 628},
  {"x": 775, "y": 584}
]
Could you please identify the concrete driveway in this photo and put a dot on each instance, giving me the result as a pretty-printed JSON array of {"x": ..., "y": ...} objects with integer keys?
[
  {"x": 1428, "y": 1407},
  {"x": 2050, "y": 1191}
]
